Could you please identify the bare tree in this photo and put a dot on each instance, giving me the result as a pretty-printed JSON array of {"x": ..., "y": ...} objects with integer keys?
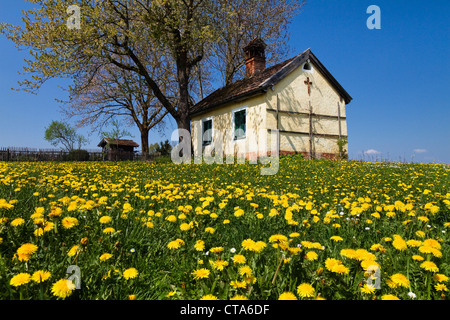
[
  {"x": 114, "y": 92},
  {"x": 243, "y": 20}
]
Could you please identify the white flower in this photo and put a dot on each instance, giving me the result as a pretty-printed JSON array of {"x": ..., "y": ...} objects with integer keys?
[
  {"x": 232, "y": 250},
  {"x": 412, "y": 295},
  {"x": 132, "y": 250},
  {"x": 341, "y": 213},
  {"x": 367, "y": 228}
]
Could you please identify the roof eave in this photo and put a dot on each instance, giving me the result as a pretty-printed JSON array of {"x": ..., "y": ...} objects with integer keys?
[{"x": 238, "y": 98}]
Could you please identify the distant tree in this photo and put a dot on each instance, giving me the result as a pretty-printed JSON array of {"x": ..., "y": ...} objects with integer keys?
[
  {"x": 152, "y": 149},
  {"x": 61, "y": 133},
  {"x": 164, "y": 148}
]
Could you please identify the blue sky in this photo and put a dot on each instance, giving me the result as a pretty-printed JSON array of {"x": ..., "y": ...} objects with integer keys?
[{"x": 399, "y": 78}]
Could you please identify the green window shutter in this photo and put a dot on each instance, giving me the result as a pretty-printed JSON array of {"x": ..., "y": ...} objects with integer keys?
[
  {"x": 207, "y": 132},
  {"x": 240, "y": 124}
]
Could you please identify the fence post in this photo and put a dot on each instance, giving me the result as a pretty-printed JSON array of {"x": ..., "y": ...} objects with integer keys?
[{"x": 7, "y": 154}]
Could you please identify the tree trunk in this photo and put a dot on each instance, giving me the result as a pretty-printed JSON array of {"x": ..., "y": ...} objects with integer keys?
[{"x": 144, "y": 144}]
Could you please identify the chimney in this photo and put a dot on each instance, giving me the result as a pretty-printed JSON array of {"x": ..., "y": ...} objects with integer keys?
[{"x": 255, "y": 58}]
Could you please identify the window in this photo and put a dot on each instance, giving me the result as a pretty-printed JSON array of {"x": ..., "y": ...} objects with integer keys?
[
  {"x": 207, "y": 125},
  {"x": 240, "y": 123}
]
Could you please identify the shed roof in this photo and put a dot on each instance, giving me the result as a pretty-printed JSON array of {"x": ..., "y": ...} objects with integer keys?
[
  {"x": 261, "y": 82},
  {"x": 120, "y": 142}
]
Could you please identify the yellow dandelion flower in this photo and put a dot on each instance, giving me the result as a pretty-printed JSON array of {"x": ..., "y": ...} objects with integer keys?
[
  {"x": 17, "y": 222},
  {"x": 63, "y": 288},
  {"x": 171, "y": 294},
  {"x": 171, "y": 218},
  {"x": 429, "y": 266},
  {"x": 349, "y": 253},
  {"x": 40, "y": 276},
  {"x": 109, "y": 230},
  {"x": 414, "y": 243},
  {"x": 209, "y": 297},
  {"x": 176, "y": 244},
  {"x": 210, "y": 230},
  {"x": 420, "y": 234},
  {"x": 238, "y": 284},
  {"x": 20, "y": 279},
  {"x": 367, "y": 289},
  {"x": 336, "y": 238},
  {"x": 73, "y": 251},
  {"x": 330, "y": 263},
  {"x": 305, "y": 290},
  {"x": 216, "y": 249},
  {"x": 432, "y": 243},
  {"x": 311, "y": 256},
  {"x": 287, "y": 296},
  {"x": 389, "y": 297},
  {"x": 185, "y": 227},
  {"x": 130, "y": 273},
  {"x": 245, "y": 271},
  {"x": 219, "y": 264},
  {"x": 248, "y": 244},
  {"x": 258, "y": 246},
  {"x": 239, "y": 213},
  {"x": 202, "y": 273},
  {"x": 69, "y": 222},
  {"x": 105, "y": 219},
  {"x": 38, "y": 232},
  {"x": 439, "y": 277},
  {"x": 239, "y": 259},
  {"x": 440, "y": 287},
  {"x": 25, "y": 251},
  {"x": 199, "y": 245},
  {"x": 399, "y": 280},
  {"x": 417, "y": 257},
  {"x": 277, "y": 238},
  {"x": 399, "y": 243},
  {"x": 105, "y": 256}
]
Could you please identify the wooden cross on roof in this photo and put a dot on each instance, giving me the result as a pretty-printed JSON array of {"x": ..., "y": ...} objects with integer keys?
[{"x": 308, "y": 83}]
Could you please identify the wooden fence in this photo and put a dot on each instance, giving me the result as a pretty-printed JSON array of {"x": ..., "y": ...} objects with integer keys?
[{"x": 32, "y": 154}]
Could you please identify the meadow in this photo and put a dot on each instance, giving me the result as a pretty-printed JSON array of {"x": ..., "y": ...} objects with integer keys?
[{"x": 316, "y": 230}]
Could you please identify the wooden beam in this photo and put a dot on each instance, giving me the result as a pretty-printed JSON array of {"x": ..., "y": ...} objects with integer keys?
[
  {"x": 324, "y": 135},
  {"x": 307, "y": 114},
  {"x": 311, "y": 137}
]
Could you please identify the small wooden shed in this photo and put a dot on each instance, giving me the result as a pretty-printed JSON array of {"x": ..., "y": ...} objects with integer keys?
[{"x": 118, "y": 149}]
